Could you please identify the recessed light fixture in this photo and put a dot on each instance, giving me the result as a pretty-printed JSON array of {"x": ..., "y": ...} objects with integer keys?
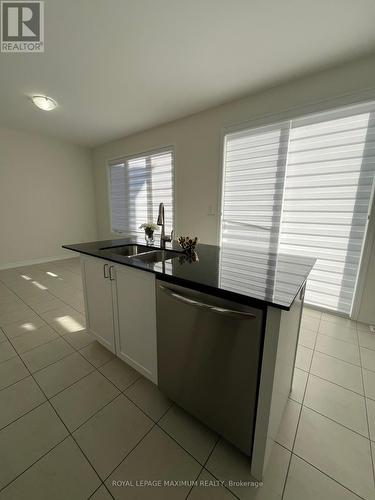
[{"x": 43, "y": 102}]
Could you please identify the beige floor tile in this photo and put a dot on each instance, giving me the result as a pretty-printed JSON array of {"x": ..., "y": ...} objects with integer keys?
[
  {"x": 96, "y": 354},
  {"x": 47, "y": 305},
  {"x": 363, "y": 327},
  {"x": 303, "y": 358},
  {"x": 147, "y": 396},
  {"x": 310, "y": 322},
  {"x": 57, "y": 312},
  {"x": 46, "y": 354},
  {"x": 337, "y": 403},
  {"x": 34, "y": 338},
  {"x": 308, "y": 311},
  {"x": 337, "y": 371},
  {"x": 120, "y": 373},
  {"x": 156, "y": 457},
  {"x": 62, "y": 474},
  {"x": 366, "y": 340},
  {"x": 228, "y": 464},
  {"x": 368, "y": 358},
  {"x": 80, "y": 401},
  {"x": 307, "y": 338},
  {"x": 371, "y": 417},
  {"x": 298, "y": 385},
  {"x": 111, "y": 434},
  {"x": 339, "y": 349},
  {"x": 101, "y": 494},
  {"x": 275, "y": 475},
  {"x": 26, "y": 316},
  {"x": 339, "y": 332},
  {"x": 18, "y": 399},
  {"x": 20, "y": 327},
  {"x": 369, "y": 381},
  {"x": 6, "y": 351},
  {"x": 339, "y": 452},
  {"x": 209, "y": 488},
  {"x": 79, "y": 339},
  {"x": 13, "y": 306},
  {"x": 191, "y": 434},
  {"x": 26, "y": 440},
  {"x": 288, "y": 426},
  {"x": 12, "y": 371},
  {"x": 306, "y": 482},
  {"x": 62, "y": 374},
  {"x": 2, "y": 336},
  {"x": 339, "y": 320}
]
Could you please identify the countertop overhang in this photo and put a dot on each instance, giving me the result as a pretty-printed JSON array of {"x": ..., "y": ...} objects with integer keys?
[{"x": 248, "y": 275}]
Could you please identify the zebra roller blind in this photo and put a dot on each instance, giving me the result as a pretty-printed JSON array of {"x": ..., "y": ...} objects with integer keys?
[
  {"x": 304, "y": 187},
  {"x": 137, "y": 186}
]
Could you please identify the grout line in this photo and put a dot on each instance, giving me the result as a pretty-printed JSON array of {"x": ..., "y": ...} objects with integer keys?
[
  {"x": 335, "y": 383},
  {"x": 59, "y": 417},
  {"x": 337, "y": 357},
  {"x": 155, "y": 422},
  {"x": 31, "y": 465},
  {"x": 299, "y": 417},
  {"x": 335, "y": 421},
  {"x": 367, "y": 418},
  {"x": 23, "y": 414},
  {"x": 327, "y": 475}
]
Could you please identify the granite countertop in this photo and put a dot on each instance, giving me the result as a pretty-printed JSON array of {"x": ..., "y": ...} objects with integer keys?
[{"x": 248, "y": 275}]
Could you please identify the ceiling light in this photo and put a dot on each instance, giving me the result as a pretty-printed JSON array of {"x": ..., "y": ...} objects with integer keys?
[{"x": 43, "y": 102}]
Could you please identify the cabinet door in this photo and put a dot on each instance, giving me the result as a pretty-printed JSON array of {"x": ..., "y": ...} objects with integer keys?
[
  {"x": 98, "y": 300},
  {"x": 136, "y": 325}
]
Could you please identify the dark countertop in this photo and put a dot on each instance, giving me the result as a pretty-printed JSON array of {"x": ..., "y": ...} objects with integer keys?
[{"x": 249, "y": 276}]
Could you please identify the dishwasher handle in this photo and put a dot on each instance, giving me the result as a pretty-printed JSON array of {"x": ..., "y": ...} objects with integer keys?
[{"x": 219, "y": 310}]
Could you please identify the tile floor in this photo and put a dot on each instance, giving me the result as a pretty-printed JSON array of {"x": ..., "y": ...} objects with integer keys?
[{"x": 75, "y": 421}]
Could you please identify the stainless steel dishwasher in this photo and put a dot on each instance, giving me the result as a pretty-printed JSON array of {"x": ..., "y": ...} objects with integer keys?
[{"x": 209, "y": 359}]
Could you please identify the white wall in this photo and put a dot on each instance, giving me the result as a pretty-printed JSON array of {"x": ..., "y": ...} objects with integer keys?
[
  {"x": 46, "y": 197},
  {"x": 197, "y": 141}
]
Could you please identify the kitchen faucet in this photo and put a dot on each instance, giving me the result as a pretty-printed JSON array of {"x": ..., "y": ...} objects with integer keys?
[{"x": 161, "y": 222}]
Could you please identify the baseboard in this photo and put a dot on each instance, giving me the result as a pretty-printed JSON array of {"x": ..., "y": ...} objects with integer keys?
[{"x": 35, "y": 261}]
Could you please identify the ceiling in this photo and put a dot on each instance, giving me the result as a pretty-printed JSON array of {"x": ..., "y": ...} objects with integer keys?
[{"x": 120, "y": 66}]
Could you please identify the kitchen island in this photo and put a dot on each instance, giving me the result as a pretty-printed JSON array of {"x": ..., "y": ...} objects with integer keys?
[{"x": 217, "y": 332}]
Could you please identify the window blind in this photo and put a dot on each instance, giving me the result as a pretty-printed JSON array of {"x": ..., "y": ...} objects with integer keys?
[
  {"x": 137, "y": 186},
  {"x": 315, "y": 204},
  {"x": 254, "y": 171},
  {"x": 327, "y": 194}
]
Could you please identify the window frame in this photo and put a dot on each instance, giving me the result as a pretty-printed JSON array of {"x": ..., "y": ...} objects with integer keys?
[{"x": 124, "y": 158}]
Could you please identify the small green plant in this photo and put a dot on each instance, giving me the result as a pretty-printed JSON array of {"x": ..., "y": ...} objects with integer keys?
[{"x": 149, "y": 228}]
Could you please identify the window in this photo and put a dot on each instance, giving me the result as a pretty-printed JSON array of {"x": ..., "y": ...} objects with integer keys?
[
  {"x": 137, "y": 185},
  {"x": 304, "y": 187}
]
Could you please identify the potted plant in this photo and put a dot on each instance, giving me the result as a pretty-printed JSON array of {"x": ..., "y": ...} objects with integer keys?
[{"x": 149, "y": 228}]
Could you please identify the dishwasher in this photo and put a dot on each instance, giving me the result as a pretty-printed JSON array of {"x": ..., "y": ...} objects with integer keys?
[{"x": 209, "y": 353}]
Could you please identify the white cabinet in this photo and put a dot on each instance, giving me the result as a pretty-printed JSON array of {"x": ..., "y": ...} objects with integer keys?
[
  {"x": 136, "y": 320},
  {"x": 98, "y": 300},
  {"x": 121, "y": 312}
]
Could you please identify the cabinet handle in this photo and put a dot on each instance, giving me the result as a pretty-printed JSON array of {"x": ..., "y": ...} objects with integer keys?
[
  {"x": 111, "y": 274},
  {"x": 106, "y": 271}
]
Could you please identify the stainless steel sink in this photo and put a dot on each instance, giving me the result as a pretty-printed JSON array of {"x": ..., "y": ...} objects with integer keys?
[
  {"x": 127, "y": 250},
  {"x": 156, "y": 256},
  {"x": 141, "y": 253}
]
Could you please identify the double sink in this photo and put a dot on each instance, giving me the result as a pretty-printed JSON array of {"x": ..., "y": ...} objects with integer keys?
[{"x": 142, "y": 253}]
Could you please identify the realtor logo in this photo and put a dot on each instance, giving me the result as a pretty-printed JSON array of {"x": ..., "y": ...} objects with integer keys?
[{"x": 22, "y": 26}]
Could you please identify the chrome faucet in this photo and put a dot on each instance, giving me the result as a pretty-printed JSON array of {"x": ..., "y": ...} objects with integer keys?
[{"x": 161, "y": 222}]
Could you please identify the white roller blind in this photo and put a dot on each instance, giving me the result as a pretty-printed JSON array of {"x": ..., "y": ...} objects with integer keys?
[
  {"x": 315, "y": 204},
  {"x": 137, "y": 186},
  {"x": 254, "y": 171},
  {"x": 327, "y": 193}
]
